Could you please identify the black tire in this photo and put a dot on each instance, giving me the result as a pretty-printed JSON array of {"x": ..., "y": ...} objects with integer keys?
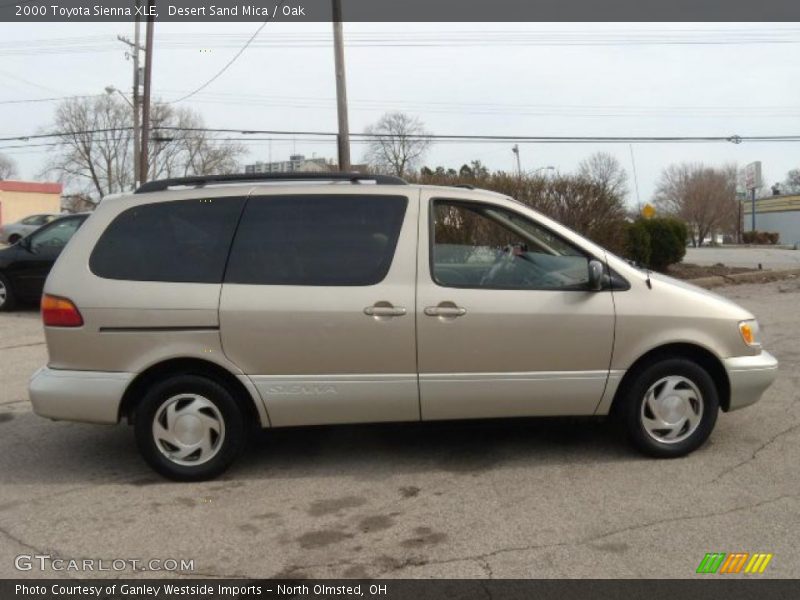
[
  {"x": 634, "y": 412},
  {"x": 225, "y": 409},
  {"x": 8, "y": 300},
  {"x": 13, "y": 239}
]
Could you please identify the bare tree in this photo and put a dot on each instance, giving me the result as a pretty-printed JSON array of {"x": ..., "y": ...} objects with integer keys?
[
  {"x": 8, "y": 168},
  {"x": 398, "y": 143},
  {"x": 606, "y": 171},
  {"x": 95, "y": 152},
  {"x": 704, "y": 197}
]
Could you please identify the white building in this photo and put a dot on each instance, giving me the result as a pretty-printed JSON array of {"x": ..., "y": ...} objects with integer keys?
[{"x": 296, "y": 163}]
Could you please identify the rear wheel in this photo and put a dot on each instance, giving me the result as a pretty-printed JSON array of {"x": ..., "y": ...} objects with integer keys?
[
  {"x": 670, "y": 408},
  {"x": 8, "y": 300},
  {"x": 189, "y": 428}
]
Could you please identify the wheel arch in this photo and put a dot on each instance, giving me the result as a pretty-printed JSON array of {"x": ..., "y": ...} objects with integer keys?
[
  {"x": 244, "y": 392},
  {"x": 698, "y": 354}
]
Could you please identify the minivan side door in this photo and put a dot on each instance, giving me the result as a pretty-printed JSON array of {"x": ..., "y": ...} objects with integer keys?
[
  {"x": 317, "y": 305},
  {"x": 506, "y": 324}
]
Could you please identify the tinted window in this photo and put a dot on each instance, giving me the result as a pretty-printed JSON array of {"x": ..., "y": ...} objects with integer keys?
[
  {"x": 316, "y": 240},
  {"x": 483, "y": 246},
  {"x": 184, "y": 241},
  {"x": 54, "y": 236}
]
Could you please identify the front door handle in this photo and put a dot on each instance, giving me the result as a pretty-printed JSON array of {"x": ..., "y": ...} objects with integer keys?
[
  {"x": 445, "y": 311},
  {"x": 380, "y": 310}
]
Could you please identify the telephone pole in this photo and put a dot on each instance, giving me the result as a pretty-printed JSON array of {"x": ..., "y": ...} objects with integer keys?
[
  {"x": 343, "y": 138},
  {"x": 144, "y": 159},
  {"x": 134, "y": 55},
  {"x": 515, "y": 150}
]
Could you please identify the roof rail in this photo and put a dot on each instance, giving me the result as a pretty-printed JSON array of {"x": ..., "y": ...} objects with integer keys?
[{"x": 201, "y": 180}]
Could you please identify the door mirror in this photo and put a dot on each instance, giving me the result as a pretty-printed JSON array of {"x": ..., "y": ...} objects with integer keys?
[{"x": 596, "y": 273}]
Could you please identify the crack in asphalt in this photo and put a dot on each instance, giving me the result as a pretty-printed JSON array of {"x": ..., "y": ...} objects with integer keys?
[
  {"x": 19, "y": 541},
  {"x": 22, "y": 346},
  {"x": 753, "y": 455}
]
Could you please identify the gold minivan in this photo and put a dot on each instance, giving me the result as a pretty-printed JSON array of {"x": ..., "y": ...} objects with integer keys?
[{"x": 198, "y": 308}]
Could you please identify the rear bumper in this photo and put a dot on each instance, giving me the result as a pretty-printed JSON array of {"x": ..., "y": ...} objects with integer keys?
[
  {"x": 750, "y": 376},
  {"x": 88, "y": 396}
]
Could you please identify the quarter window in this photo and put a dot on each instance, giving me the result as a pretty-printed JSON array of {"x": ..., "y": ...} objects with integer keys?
[
  {"x": 316, "y": 240},
  {"x": 184, "y": 241},
  {"x": 483, "y": 246}
]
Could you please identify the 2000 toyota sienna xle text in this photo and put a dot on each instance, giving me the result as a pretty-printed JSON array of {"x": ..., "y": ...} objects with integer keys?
[{"x": 196, "y": 308}]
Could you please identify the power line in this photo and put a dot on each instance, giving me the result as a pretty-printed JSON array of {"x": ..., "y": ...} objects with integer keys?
[
  {"x": 225, "y": 68},
  {"x": 735, "y": 139}
]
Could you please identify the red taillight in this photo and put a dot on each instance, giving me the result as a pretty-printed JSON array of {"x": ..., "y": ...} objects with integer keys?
[{"x": 60, "y": 312}]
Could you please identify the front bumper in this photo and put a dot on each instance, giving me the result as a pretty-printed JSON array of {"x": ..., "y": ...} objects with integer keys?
[
  {"x": 88, "y": 396},
  {"x": 750, "y": 376}
]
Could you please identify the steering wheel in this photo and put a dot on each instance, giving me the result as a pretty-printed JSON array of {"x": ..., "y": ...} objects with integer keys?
[{"x": 502, "y": 262}]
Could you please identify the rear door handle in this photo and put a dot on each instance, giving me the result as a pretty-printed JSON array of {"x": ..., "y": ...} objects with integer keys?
[
  {"x": 445, "y": 311},
  {"x": 384, "y": 311}
]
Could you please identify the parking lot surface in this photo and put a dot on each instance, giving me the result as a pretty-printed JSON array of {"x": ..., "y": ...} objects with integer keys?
[
  {"x": 769, "y": 258},
  {"x": 525, "y": 498}
]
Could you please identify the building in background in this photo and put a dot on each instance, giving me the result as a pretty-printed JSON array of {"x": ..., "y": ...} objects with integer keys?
[
  {"x": 20, "y": 199},
  {"x": 779, "y": 214},
  {"x": 297, "y": 163}
]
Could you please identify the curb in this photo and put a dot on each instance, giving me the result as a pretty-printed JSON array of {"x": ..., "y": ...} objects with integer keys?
[{"x": 751, "y": 277}]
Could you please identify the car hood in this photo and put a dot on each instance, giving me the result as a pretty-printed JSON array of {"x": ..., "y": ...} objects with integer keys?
[{"x": 707, "y": 296}]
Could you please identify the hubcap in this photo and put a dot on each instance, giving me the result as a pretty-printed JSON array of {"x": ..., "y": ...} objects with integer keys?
[
  {"x": 672, "y": 409},
  {"x": 188, "y": 429},
  {"x": 3, "y": 293}
]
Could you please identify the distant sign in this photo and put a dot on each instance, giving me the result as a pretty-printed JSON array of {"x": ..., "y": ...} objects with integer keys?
[
  {"x": 752, "y": 175},
  {"x": 648, "y": 211}
]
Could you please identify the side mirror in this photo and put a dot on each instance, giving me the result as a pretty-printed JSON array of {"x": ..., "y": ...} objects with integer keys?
[{"x": 596, "y": 273}]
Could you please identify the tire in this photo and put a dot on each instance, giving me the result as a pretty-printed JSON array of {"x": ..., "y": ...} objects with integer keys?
[
  {"x": 13, "y": 239},
  {"x": 670, "y": 408},
  {"x": 8, "y": 300},
  {"x": 189, "y": 428}
]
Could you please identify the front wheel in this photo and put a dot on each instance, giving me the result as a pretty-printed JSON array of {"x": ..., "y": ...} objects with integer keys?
[
  {"x": 189, "y": 428},
  {"x": 670, "y": 408}
]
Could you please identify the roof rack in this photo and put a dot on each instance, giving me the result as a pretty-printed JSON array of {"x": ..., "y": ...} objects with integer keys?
[{"x": 201, "y": 180}]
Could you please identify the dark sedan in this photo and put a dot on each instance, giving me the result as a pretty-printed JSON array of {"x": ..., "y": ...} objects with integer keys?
[{"x": 25, "y": 265}]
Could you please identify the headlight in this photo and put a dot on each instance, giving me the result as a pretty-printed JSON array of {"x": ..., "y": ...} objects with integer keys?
[{"x": 750, "y": 332}]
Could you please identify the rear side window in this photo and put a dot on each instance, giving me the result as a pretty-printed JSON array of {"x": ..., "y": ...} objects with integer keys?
[
  {"x": 316, "y": 240},
  {"x": 184, "y": 241}
]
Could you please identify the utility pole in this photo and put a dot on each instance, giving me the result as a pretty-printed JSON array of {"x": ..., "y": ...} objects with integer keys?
[
  {"x": 515, "y": 150},
  {"x": 343, "y": 139},
  {"x": 144, "y": 159},
  {"x": 134, "y": 54}
]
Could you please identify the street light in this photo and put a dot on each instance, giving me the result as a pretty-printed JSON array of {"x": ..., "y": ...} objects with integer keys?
[{"x": 110, "y": 90}]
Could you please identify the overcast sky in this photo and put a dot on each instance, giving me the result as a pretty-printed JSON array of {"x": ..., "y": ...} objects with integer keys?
[{"x": 468, "y": 78}]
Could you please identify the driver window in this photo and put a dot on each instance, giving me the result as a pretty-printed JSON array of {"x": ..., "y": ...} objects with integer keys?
[
  {"x": 483, "y": 246},
  {"x": 55, "y": 236}
]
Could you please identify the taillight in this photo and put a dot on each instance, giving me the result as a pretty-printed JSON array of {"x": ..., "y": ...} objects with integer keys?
[{"x": 60, "y": 312}]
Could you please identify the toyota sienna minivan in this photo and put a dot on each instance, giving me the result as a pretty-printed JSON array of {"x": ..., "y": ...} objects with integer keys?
[{"x": 199, "y": 308}]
